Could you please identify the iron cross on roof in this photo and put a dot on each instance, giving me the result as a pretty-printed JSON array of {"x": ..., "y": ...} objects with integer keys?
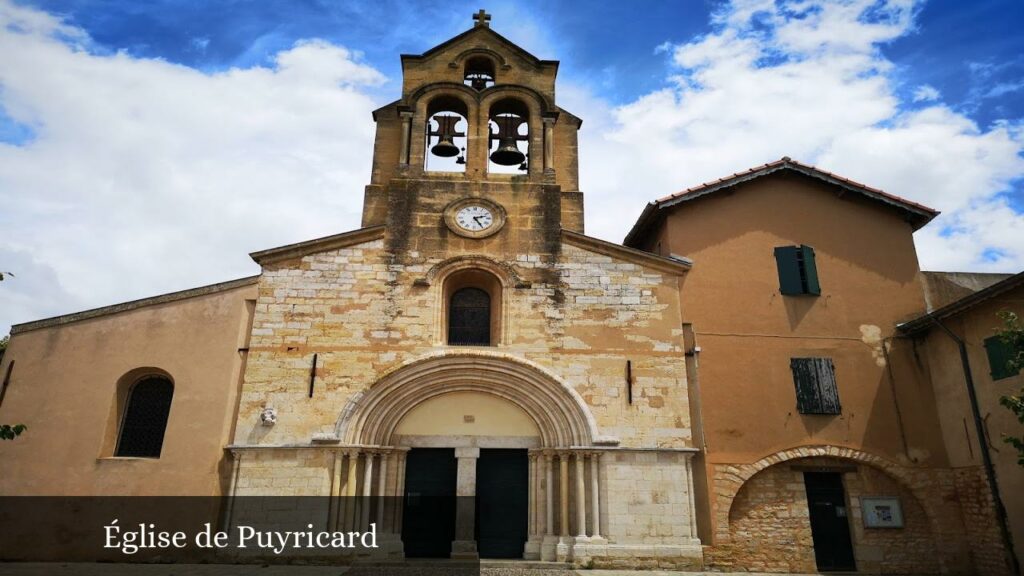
[{"x": 482, "y": 18}]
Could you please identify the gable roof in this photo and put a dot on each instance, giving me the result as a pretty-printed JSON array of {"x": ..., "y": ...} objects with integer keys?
[
  {"x": 133, "y": 305},
  {"x": 333, "y": 242},
  {"x": 923, "y": 323},
  {"x": 677, "y": 265},
  {"x": 917, "y": 214},
  {"x": 482, "y": 30}
]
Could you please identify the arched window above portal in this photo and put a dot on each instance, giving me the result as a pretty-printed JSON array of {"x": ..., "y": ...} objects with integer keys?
[
  {"x": 446, "y": 130},
  {"x": 509, "y": 137},
  {"x": 478, "y": 73},
  {"x": 473, "y": 301}
]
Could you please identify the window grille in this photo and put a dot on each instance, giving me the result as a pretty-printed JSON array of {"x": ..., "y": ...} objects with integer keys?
[
  {"x": 469, "y": 318},
  {"x": 145, "y": 418}
]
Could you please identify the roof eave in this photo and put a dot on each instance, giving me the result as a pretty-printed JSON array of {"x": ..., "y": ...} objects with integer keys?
[
  {"x": 299, "y": 249},
  {"x": 927, "y": 321},
  {"x": 675, "y": 265}
]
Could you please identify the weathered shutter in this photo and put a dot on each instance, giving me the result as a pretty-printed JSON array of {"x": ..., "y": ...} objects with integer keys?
[
  {"x": 999, "y": 355},
  {"x": 809, "y": 271},
  {"x": 815, "y": 382},
  {"x": 786, "y": 259}
]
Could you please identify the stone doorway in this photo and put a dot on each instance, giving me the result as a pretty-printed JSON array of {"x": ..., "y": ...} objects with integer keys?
[{"x": 830, "y": 523}]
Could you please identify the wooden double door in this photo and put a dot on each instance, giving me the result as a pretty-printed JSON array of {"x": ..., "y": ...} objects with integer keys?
[{"x": 501, "y": 503}]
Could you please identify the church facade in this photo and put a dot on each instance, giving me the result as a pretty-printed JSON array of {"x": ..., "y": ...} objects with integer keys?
[{"x": 597, "y": 404}]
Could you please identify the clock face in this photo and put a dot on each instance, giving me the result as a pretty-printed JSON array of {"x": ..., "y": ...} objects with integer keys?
[{"x": 474, "y": 218}]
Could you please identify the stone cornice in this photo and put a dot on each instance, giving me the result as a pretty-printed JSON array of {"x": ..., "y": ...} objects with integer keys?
[
  {"x": 670, "y": 265},
  {"x": 133, "y": 305},
  {"x": 300, "y": 249}
]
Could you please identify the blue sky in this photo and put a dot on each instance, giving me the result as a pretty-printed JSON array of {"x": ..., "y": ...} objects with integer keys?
[
  {"x": 972, "y": 52},
  {"x": 160, "y": 142}
]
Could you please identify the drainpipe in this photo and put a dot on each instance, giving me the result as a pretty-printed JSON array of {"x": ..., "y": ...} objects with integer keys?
[{"x": 986, "y": 457}]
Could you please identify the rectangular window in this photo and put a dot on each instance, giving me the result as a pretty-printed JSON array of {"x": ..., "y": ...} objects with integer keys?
[
  {"x": 815, "y": 381},
  {"x": 798, "y": 273},
  {"x": 999, "y": 355}
]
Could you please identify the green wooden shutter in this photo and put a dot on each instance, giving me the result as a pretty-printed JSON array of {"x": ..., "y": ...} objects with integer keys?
[
  {"x": 809, "y": 271},
  {"x": 789, "y": 270},
  {"x": 999, "y": 355},
  {"x": 815, "y": 382}
]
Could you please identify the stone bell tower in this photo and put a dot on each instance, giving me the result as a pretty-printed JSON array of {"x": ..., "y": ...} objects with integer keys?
[{"x": 477, "y": 118}]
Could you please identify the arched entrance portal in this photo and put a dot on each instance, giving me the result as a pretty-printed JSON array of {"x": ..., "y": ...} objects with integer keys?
[{"x": 500, "y": 439}]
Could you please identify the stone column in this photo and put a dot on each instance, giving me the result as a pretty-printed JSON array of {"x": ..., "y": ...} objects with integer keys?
[
  {"x": 364, "y": 523},
  {"x": 549, "y": 144},
  {"x": 533, "y": 542},
  {"x": 396, "y": 521},
  {"x": 563, "y": 550},
  {"x": 581, "y": 498},
  {"x": 403, "y": 151},
  {"x": 464, "y": 546},
  {"x": 336, "y": 501},
  {"x": 595, "y": 496},
  {"x": 563, "y": 494},
  {"x": 350, "y": 490},
  {"x": 549, "y": 495},
  {"x": 550, "y": 541},
  {"x": 382, "y": 490}
]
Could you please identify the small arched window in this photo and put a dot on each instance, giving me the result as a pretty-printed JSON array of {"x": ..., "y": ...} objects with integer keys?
[
  {"x": 469, "y": 318},
  {"x": 145, "y": 418}
]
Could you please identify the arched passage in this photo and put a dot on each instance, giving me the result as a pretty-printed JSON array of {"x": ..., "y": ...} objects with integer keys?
[{"x": 764, "y": 517}]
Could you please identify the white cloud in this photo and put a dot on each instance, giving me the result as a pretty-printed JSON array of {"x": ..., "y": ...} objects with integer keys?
[
  {"x": 926, "y": 93},
  {"x": 146, "y": 177},
  {"x": 807, "y": 79}
]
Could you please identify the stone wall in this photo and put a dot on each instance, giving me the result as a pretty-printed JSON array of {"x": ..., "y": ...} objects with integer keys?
[
  {"x": 769, "y": 524},
  {"x": 949, "y": 523}
]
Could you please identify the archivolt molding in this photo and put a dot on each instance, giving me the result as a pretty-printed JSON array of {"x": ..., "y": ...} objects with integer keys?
[
  {"x": 370, "y": 418},
  {"x": 730, "y": 478},
  {"x": 505, "y": 272},
  {"x": 534, "y": 100},
  {"x": 496, "y": 57}
]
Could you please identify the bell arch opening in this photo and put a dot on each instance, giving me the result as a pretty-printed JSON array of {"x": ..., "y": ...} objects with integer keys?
[
  {"x": 447, "y": 127},
  {"x": 509, "y": 137}
]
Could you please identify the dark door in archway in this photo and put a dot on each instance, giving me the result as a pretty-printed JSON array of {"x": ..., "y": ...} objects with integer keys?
[
  {"x": 502, "y": 502},
  {"x": 428, "y": 517},
  {"x": 830, "y": 527}
]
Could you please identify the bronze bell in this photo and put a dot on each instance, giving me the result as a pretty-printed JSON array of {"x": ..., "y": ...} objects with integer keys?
[
  {"x": 445, "y": 133},
  {"x": 445, "y": 149},
  {"x": 508, "y": 153}
]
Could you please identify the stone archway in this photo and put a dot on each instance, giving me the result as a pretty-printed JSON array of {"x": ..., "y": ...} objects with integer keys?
[
  {"x": 564, "y": 447},
  {"x": 758, "y": 496}
]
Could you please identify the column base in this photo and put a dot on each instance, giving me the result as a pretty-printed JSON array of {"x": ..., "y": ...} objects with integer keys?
[
  {"x": 464, "y": 550},
  {"x": 548, "y": 548},
  {"x": 532, "y": 549},
  {"x": 563, "y": 550}
]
